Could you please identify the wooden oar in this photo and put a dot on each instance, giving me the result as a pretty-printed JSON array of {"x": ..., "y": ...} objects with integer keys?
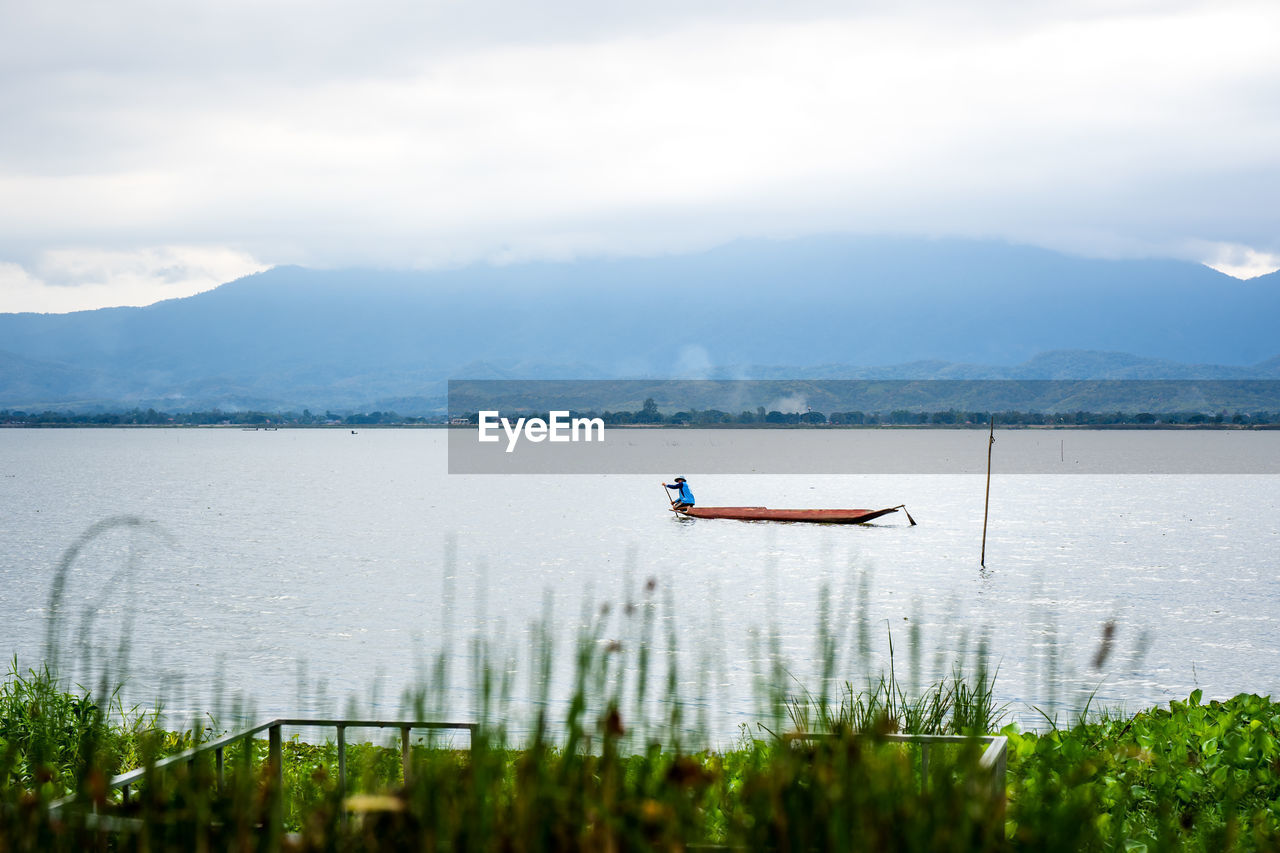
[
  {"x": 672, "y": 500},
  {"x": 903, "y": 507}
]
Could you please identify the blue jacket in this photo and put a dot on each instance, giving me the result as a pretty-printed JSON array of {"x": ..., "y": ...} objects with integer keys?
[{"x": 686, "y": 496}]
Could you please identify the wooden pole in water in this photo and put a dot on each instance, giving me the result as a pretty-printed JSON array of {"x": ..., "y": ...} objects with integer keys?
[{"x": 986, "y": 506}]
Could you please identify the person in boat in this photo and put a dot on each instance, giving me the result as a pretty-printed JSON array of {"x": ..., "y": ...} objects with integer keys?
[{"x": 685, "y": 500}]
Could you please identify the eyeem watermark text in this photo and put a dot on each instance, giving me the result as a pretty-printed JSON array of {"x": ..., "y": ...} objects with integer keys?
[{"x": 558, "y": 427}]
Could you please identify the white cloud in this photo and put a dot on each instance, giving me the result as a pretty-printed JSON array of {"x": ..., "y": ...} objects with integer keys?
[
  {"x": 793, "y": 404},
  {"x": 693, "y": 362},
  {"x": 1241, "y": 261},
  {"x": 437, "y": 133},
  {"x": 81, "y": 279}
]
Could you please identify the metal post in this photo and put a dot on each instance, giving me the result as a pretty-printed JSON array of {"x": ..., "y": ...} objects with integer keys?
[
  {"x": 991, "y": 440},
  {"x": 220, "y": 764},
  {"x": 404, "y": 752},
  {"x": 124, "y": 794},
  {"x": 997, "y": 781},
  {"x": 342, "y": 774},
  {"x": 342, "y": 762},
  {"x": 275, "y": 761},
  {"x": 924, "y": 766}
]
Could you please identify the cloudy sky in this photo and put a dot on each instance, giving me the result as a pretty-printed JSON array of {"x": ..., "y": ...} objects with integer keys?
[{"x": 156, "y": 148}]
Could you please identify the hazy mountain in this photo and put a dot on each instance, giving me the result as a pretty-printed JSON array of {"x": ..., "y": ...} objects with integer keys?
[
  {"x": 1059, "y": 364},
  {"x": 824, "y": 308}
]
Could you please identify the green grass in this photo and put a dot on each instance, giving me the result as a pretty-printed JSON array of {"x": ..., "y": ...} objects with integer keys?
[
  {"x": 1195, "y": 776},
  {"x": 51, "y": 738}
]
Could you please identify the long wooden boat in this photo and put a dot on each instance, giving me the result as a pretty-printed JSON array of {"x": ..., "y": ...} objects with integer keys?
[{"x": 764, "y": 513}]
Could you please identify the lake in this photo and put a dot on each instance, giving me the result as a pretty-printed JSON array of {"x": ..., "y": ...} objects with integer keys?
[{"x": 315, "y": 572}]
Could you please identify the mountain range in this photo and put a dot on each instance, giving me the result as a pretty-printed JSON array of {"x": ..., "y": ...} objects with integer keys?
[{"x": 827, "y": 307}]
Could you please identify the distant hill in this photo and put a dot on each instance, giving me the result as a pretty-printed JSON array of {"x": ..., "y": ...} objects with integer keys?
[
  {"x": 836, "y": 307},
  {"x": 1059, "y": 364}
]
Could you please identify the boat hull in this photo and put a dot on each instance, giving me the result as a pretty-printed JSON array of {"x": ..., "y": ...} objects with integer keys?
[{"x": 763, "y": 513}]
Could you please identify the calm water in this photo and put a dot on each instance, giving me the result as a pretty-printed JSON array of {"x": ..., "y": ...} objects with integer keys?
[{"x": 315, "y": 571}]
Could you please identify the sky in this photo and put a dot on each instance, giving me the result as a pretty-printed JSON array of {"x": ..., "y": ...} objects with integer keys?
[{"x": 152, "y": 149}]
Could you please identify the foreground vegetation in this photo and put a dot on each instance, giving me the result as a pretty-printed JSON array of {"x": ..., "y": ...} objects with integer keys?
[{"x": 1197, "y": 775}]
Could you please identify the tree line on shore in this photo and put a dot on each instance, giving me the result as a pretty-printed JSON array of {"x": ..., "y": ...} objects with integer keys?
[
  {"x": 650, "y": 415},
  {"x": 214, "y": 417}
]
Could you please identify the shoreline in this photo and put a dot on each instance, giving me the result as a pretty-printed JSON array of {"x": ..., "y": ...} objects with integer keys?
[{"x": 247, "y": 427}]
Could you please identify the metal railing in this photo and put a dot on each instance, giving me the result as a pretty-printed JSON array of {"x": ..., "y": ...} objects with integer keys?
[
  {"x": 275, "y": 754},
  {"x": 994, "y": 758}
]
